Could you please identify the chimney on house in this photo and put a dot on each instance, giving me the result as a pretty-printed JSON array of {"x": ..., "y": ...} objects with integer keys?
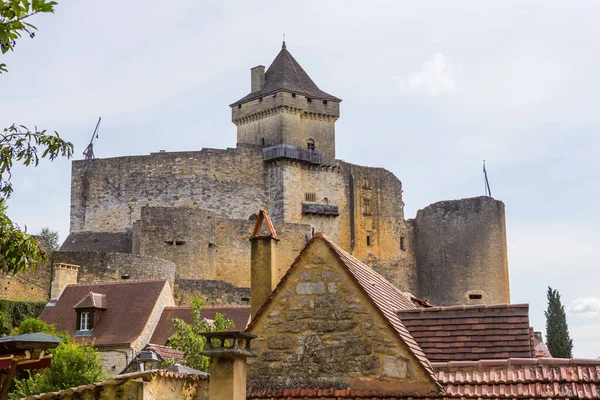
[
  {"x": 263, "y": 269},
  {"x": 227, "y": 364},
  {"x": 257, "y": 78},
  {"x": 64, "y": 274}
]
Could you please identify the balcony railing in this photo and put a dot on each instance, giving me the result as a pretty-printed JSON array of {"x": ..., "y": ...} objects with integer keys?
[
  {"x": 293, "y": 152},
  {"x": 320, "y": 209}
]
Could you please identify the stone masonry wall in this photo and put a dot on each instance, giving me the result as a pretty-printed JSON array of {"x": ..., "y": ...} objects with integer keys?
[
  {"x": 108, "y": 194},
  {"x": 186, "y": 236},
  {"x": 31, "y": 285},
  {"x": 461, "y": 251},
  {"x": 321, "y": 331},
  {"x": 115, "y": 360},
  {"x": 109, "y": 267}
]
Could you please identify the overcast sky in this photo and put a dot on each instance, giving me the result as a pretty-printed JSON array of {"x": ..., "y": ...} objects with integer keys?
[{"x": 430, "y": 89}]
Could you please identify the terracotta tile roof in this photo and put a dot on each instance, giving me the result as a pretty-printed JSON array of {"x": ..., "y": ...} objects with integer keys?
[
  {"x": 262, "y": 219},
  {"x": 383, "y": 295},
  {"x": 164, "y": 329},
  {"x": 166, "y": 353},
  {"x": 539, "y": 348},
  {"x": 129, "y": 305},
  {"x": 515, "y": 378},
  {"x": 471, "y": 332},
  {"x": 92, "y": 300}
]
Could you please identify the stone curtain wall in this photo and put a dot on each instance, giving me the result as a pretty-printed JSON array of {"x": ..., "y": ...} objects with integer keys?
[
  {"x": 108, "y": 194},
  {"x": 185, "y": 236},
  {"x": 461, "y": 250},
  {"x": 320, "y": 331},
  {"x": 109, "y": 267},
  {"x": 31, "y": 285},
  {"x": 215, "y": 293}
]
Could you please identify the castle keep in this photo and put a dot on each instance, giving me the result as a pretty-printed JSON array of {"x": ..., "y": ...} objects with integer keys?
[{"x": 187, "y": 216}]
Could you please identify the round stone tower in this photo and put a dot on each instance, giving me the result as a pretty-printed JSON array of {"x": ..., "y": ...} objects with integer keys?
[{"x": 461, "y": 252}]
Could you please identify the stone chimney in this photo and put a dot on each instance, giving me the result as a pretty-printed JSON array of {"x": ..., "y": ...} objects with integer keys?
[
  {"x": 64, "y": 274},
  {"x": 263, "y": 268},
  {"x": 227, "y": 364},
  {"x": 257, "y": 78}
]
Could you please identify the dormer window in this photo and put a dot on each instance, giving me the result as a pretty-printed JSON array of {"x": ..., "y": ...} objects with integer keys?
[
  {"x": 310, "y": 144},
  {"x": 84, "y": 321}
]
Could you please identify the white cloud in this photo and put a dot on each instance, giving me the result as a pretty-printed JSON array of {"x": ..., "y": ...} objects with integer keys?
[
  {"x": 436, "y": 77},
  {"x": 587, "y": 306}
]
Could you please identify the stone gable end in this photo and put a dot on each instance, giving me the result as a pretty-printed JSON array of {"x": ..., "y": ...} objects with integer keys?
[{"x": 320, "y": 330}]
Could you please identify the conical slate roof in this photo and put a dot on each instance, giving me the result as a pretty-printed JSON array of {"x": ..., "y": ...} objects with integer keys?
[{"x": 285, "y": 74}]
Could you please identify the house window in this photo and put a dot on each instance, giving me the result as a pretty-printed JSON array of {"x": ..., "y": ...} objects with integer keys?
[
  {"x": 402, "y": 244},
  {"x": 311, "y": 197},
  {"x": 310, "y": 144},
  {"x": 84, "y": 321},
  {"x": 367, "y": 207},
  {"x": 368, "y": 238}
]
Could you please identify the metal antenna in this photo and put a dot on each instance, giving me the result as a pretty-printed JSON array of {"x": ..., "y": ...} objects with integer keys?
[
  {"x": 88, "y": 153},
  {"x": 488, "y": 191}
]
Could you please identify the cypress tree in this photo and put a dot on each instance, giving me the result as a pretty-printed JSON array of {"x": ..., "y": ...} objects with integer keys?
[{"x": 557, "y": 332}]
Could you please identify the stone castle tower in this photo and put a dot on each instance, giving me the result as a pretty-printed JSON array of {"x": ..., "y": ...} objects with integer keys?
[{"x": 188, "y": 215}]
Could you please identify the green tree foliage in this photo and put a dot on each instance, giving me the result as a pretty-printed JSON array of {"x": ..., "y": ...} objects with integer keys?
[
  {"x": 12, "y": 313},
  {"x": 13, "y": 14},
  {"x": 189, "y": 340},
  {"x": 18, "y": 250},
  {"x": 72, "y": 364},
  {"x": 50, "y": 238},
  {"x": 557, "y": 332}
]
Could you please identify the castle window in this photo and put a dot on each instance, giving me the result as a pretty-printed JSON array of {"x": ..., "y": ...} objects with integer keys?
[
  {"x": 260, "y": 99},
  {"x": 366, "y": 182},
  {"x": 310, "y": 144},
  {"x": 368, "y": 238},
  {"x": 308, "y": 99},
  {"x": 293, "y": 94},
  {"x": 262, "y": 141},
  {"x": 367, "y": 207},
  {"x": 179, "y": 243},
  {"x": 475, "y": 296},
  {"x": 402, "y": 245},
  {"x": 325, "y": 102},
  {"x": 239, "y": 106},
  {"x": 311, "y": 197},
  {"x": 84, "y": 321},
  {"x": 274, "y": 95},
  {"x": 326, "y": 201}
]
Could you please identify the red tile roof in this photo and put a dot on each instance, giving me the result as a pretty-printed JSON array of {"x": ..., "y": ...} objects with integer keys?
[
  {"x": 129, "y": 305},
  {"x": 262, "y": 219},
  {"x": 382, "y": 294},
  {"x": 524, "y": 378},
  {"x": 471, "y": 332},
  {"x": 164, "y": 329},
  {"x": 166, "y": 353}
]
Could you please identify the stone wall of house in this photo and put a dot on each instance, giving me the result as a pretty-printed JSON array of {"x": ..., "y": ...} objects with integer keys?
[
  {"x": 107, "y": 194},
  {"x": 461, "y": 252},
  {"x": 108, "y": 267},
  {"x": 114, "y": 360},
  {"x": 321, "y": 331}
]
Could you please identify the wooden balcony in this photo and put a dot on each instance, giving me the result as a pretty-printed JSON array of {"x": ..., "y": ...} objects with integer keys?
[
  {"x": 320, "y": 209},
  {"x": 293, "y": 152}
]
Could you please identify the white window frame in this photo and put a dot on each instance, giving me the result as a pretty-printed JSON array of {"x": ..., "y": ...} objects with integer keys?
[{"x": 84, "y": 321}]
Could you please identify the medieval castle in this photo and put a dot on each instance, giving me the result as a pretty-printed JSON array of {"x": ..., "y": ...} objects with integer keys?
[{"x": 187, "y": 216}]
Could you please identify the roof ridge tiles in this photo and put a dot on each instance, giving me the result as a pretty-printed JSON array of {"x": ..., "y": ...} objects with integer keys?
[{"x": 123, "y": 282}]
